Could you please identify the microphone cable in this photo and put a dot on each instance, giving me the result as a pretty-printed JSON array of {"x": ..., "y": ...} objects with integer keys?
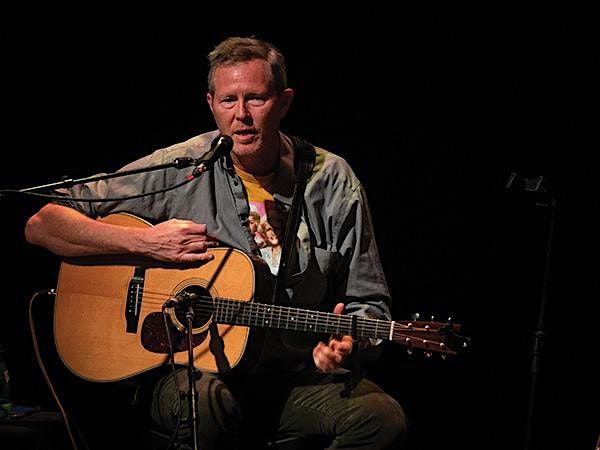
[{"x": 51, "y": 292}]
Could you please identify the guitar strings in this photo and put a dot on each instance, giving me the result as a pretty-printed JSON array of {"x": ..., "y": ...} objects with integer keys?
[
  {"x": 242, "y": 312},
  {"x": 250, "y": 313}
]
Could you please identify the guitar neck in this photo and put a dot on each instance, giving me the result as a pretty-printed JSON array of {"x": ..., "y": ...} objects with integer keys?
[
  {"x": 287, "y": 318},
  {"x": 429, "y": 336}
]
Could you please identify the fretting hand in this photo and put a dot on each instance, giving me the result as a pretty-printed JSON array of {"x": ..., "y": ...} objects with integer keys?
[{"x": 328, "y": 357}]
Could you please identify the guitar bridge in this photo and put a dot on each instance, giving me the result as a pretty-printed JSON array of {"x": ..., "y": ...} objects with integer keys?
[{"x": 133, "y": 304}]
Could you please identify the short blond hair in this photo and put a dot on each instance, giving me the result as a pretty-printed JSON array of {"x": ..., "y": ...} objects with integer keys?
[{"x": 241, "y": 49}]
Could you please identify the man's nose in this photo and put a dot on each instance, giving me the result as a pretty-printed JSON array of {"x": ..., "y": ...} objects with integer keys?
[{"x": 241, "y": 111}]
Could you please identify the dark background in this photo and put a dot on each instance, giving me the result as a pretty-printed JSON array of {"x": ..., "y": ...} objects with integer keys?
[{"x": 434, "y": 107}]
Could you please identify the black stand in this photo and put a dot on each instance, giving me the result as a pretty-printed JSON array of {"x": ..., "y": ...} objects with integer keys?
[
  {"x": 539, "y": 334},
  {"x": 178, "y": 163},
  {"x": 192, "y": 392},
  {"x": 545, "y": 200},
  {"x": 220, "y": 146}
]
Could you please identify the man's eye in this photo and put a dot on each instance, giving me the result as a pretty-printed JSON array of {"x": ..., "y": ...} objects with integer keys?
[{"x": 257, "y": 101}]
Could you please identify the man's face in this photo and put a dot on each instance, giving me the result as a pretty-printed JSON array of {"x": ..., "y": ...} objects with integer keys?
[{"x": 246, "y": 107}]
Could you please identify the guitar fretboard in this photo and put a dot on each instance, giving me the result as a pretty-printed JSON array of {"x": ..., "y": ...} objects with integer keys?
[{"x": 287, "y": 318}]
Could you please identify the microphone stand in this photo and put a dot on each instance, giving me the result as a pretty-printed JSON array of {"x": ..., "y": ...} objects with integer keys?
[
  {"x": 545, "y": 200},
  {"x": 220, "y": 146},
  {"x": 192, "y": 373},
  {"x": 539, "y": 334},
  {"x": 178, "y": 163}
]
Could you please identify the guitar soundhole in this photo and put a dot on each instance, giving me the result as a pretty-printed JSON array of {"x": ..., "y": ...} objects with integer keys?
[{"x": 201, "y": 302}]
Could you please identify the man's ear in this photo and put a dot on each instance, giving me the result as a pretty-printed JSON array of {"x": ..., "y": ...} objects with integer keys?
[
  {"x": 286, "y": 98},
  {"x": 209, "y": 100}
]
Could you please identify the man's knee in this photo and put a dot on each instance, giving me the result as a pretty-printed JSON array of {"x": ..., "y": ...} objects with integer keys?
[{"x": 379, "y": 422}]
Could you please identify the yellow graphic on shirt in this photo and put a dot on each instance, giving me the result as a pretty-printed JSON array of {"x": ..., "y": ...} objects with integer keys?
[{"x": 266, "y": 221}]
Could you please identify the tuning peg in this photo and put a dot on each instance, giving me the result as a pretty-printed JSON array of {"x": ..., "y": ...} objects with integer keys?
[
  {"x": 432, "y": 318},
  {"x": 415, "y": 316},
  {"x": 427, "y": 354},
  {"x": 408, "y": 342},
  {"x": 444, "y": 357}
]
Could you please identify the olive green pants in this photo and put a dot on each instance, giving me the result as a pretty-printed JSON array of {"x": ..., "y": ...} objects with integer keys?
[{"x": 339, "y": 410}]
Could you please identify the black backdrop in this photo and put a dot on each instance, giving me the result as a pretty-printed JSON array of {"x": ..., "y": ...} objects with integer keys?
[{"x": 434, "y": 107}]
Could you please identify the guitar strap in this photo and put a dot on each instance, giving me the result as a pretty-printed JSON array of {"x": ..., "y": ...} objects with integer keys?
[{"x": 304, "y": 161}]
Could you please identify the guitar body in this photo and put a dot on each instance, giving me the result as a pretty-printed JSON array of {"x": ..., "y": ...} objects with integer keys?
[{"x": 109, "y": 324}]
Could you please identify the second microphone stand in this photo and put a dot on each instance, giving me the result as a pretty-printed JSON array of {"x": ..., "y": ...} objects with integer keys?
[{"x": 192, "y": 391}]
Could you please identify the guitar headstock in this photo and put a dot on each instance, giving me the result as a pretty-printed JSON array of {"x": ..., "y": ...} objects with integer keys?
[{"x": 430, "y": 336}]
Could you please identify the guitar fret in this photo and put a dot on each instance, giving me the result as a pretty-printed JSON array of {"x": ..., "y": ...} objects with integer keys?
[
  {"x": 347, "y": 330},
  {"x": 233, "y": 312},
  {"x": 220, "y": 312},
  {"x": 225, "y": 310},
  {"x": 358, "y": 323},
  {"x": 237, "y": 312},
  {"x": 319, "y": 319},
  {"x": 247, "y": 315},
  {"x": 248, "y": 312},
  {"x": 285, "y": 318},
  {"x": 218, "y": 309},
  {"x": 345, "y": 325},
  {"x": 254, "y": 315},
  {"x": 314, "y": 321},
  {"x": 298, "y": 318}
]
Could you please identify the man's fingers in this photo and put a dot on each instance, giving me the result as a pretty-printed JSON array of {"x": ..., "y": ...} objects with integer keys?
[{"x": 338, "y": 308}]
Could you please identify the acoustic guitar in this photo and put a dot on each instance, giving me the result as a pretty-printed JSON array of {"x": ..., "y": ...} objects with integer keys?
[{"x": 115, "y": 318}]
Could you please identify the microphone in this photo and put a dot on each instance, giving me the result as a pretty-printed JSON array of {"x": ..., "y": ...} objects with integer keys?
[
  {"x": 171, "y": 302},
  {"x": 220, "y": 146},
  {"x": 180, "y": 298}
]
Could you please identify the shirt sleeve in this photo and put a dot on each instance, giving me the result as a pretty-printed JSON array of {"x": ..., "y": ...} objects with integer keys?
[{"x": 366, "y": 289}]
